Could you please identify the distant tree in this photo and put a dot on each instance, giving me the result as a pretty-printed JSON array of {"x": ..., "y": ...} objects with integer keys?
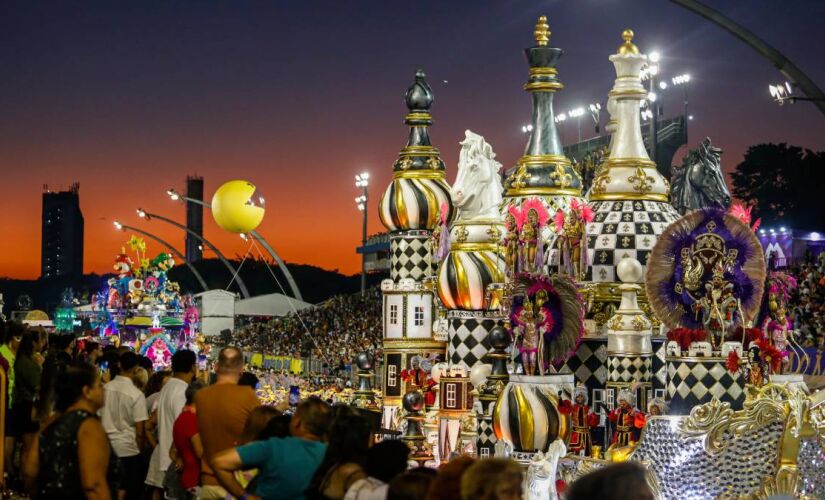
[{"x": 785, "y": 184}]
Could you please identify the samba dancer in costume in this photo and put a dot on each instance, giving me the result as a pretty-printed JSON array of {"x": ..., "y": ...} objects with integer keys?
[
  {"x": 532, "y": 244},
  {"x": 571, "y": 230},
  {"x": 582, "y": 420},
  {"x": 529, "y": 337},
  {"x": 513, "y": 223},
  {"x": 627, "y": 420}
]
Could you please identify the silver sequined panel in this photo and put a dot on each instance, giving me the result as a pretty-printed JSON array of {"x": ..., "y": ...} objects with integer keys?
[
  {"x": 686, "y": 472},
  {"x": 812, "y": 468}
]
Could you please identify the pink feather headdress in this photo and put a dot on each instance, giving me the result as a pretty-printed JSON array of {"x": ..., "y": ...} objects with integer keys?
[
  {"x": 744, "y": 214},
  {"x": 445, "y": 211},
  {"x": 584, "y": 210},
  {"x": 535, "y": 204},
  {"x": 558, "y": 221},
  {"x": 517, "y": 214}
]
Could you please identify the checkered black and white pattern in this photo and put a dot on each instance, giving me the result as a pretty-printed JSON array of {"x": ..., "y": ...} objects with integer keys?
[
  {"x": 691, "y": 383},
  {"x": 486, "y": 438},
  {"x": 659, "y": 367},
  {"x": 410, "y": 256},
  {"x": 629, "y": 368},
  {"x": 468, "y": 337},
  {"x": 621, "y": 229},
  {"x": 589, "y": 363}
]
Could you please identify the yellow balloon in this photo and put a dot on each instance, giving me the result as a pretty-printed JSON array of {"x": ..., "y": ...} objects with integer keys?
[{"x": 238, "y": 207}]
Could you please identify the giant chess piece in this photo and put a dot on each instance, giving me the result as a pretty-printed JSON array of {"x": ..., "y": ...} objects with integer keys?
[
  {"x": 413, "y": 403},
  {"x": 543, "y": 172},
  {"x": 699, "y": 182},
  {"x": 475, "y": 258},
  {"x": 629, "y": 348},
  {"x": 629, "y": 196},
  {"x": 364, "y": 397}
]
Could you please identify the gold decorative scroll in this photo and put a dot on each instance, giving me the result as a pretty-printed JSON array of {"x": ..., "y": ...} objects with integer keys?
[{"x": 712, "y": 420}]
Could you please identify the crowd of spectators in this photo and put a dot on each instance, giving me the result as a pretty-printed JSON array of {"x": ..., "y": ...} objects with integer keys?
[
  {"x": 807, "y": 303},
  {"x": 99, "y": 422},
  {"x": 335, "y": 331}
]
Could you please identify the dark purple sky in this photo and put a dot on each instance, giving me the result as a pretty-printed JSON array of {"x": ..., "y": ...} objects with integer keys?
[{"x": 297, "y": 97}]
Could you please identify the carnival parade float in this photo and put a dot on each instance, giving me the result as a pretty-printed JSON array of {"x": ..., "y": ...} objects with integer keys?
[
  {"x": 142, "y": 308},
  {"x": 491, "y": 341}
]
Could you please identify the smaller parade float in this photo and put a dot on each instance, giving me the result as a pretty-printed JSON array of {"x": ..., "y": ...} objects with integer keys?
[{"x": 143, "y": 309}]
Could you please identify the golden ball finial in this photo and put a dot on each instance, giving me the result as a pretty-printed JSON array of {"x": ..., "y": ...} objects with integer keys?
[
  {"x": 627, "y": 35},
  {"x": 627, "y": 47},
  {"x": 542, "y": 32}
]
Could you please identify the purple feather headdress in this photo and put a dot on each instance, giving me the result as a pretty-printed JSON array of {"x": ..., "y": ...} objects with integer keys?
[{"x": 668, "y": 296}]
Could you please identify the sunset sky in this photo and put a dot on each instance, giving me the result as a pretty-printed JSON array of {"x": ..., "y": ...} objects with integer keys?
[{"x": 129, "y": 97}]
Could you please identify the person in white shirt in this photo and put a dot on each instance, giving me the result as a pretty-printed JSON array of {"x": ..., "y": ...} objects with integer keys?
[
  {"x": 169, "y": 405},
  {"x": 123, "y": 417},
  {"x": 154, "y": 477}
]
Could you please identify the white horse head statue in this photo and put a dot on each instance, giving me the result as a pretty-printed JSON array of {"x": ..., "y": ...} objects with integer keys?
[
  {"x": 541, "y": 473},
  {"x": 477, "y": 189}
]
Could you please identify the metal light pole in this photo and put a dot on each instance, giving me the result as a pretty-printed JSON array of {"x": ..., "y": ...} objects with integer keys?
[
  {"x": 146, "y": 215},
  {"x": 175, "y": 196},
  {"x": 784, "y": 92},
  {"x": 125, "y": 227},
  {"x": 577, "y": 114},
  {"x": 595, "y": 113},
  {"x": 362, "y": 181},
  {"x": 560, "y": 118},
  {"x": 682, "y": 81}
]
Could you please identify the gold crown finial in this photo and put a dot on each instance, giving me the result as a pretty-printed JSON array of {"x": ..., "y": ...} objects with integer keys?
[
  {"x": 628, "y": 47},
  {"x": 542, "y": 32}
]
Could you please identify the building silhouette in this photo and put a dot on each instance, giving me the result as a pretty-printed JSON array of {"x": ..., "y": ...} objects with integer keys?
[
  {"x": 194, "y": 218},
  {"x": 62, "y": 234}
]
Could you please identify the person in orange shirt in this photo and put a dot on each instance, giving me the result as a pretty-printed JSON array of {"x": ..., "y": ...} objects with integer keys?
[{"x": 222, "y": 412}]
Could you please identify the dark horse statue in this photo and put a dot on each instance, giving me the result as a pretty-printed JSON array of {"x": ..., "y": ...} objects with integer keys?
[{"x": 699, "y": 182}]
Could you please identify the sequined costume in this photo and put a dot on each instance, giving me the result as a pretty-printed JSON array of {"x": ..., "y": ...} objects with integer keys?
[
  {"x": 627, "y": 421},
  {"x": 582, "y": 420}
]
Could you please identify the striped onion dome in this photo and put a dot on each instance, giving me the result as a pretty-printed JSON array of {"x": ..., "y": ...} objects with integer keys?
[
  {"x": 474, "y": 262},
  {"x": 526, "y": 414},
  {"x": 419, "y": 187}
]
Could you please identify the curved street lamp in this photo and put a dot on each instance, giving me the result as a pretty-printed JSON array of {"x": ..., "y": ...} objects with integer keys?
[
  {"x": 362, "y": 180},
  {"x": 125, "y": 227},
  {"x": 176, "y": 196},
  {"x": 146, "y": 215}
]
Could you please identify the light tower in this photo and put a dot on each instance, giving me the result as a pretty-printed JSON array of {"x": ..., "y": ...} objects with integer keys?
[{"x": 409, "y": 208}]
